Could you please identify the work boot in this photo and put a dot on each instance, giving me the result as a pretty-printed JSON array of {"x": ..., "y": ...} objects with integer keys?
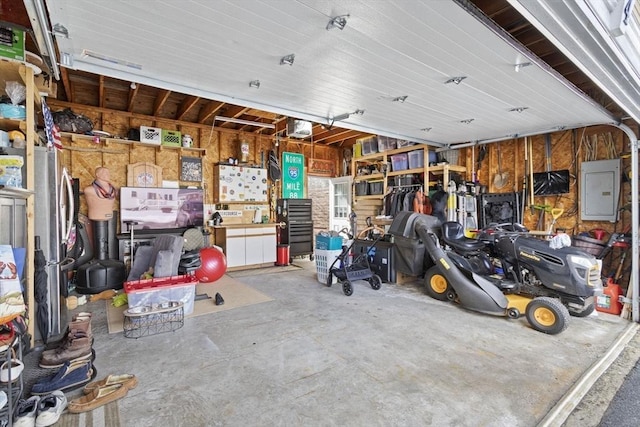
[
  {"x": 76, "y": 347},
  {"x": 81, "y": 322}
]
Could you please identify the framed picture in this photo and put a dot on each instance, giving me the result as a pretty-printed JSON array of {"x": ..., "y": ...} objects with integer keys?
[{"x": 191, "y": 169}]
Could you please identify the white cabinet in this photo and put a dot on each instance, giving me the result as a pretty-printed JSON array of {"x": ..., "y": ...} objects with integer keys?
[{"x": 246, "y": 246}]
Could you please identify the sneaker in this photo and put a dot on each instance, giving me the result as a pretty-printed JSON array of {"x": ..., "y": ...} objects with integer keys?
[
  {"x": 50, "y": 408},
  {"x": 3, "y": 399},
  {"x": 26, "y": 412}
]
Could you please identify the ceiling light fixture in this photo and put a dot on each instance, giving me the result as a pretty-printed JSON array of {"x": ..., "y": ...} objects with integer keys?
[
  {"x": 243, "y": 122},
  {"x": 517, "y": 67},
  {"x": 339, "y": 22},
  {"x": 133, "y": 85},
  {"x": 518, "y": 109},
  {"x": 400, "y": 98},
  {"x": 255, "y": 83},
  {"x": 287, "y": 59},
  {"x": 466, "y": 121},
  {"x": 456, "y": 80}
]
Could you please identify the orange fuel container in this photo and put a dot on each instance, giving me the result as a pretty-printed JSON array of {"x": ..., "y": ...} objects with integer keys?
[{"x": 609, "y": 302}]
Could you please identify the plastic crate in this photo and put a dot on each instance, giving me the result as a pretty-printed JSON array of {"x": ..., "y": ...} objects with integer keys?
[
  {"x": 369, "y": 145},
  {"x": 386, "y": 143},
  {"x": 404, "y": 143},
  {"x": 399, "y": 162},
  {"x": 162, "y": 290},
  {"x": 171, "y": 138},
  {"x": 330, "y": 243},
  {"x": 324, "y": 259},
  {"x": 150, "y": 135},
  {"x": 416, "y": 159},
  {"x": 376, "y": 187}
]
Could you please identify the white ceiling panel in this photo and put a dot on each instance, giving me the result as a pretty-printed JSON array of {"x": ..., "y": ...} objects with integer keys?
[{"x": 388, "y": 49}]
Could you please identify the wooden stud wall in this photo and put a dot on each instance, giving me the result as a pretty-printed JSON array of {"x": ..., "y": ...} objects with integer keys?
[{"x": 82, "y": 156}]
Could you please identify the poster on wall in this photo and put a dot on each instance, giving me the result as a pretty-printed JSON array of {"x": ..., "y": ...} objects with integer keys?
[
  {"x": 161, "y": 208},
  {"x": 292, "y": 176},
  {"x": 191, "y": 169}
]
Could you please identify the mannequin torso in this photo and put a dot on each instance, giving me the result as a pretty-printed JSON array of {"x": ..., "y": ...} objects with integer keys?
[{"x": 100, "y": 196}]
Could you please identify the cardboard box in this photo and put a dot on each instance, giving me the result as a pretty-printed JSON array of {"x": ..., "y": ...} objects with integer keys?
[
  {"x": 12, "y": 42},
  {"x": 46, "y": 87}
]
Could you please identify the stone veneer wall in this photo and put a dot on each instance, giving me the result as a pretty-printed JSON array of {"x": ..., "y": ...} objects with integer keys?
[{"x": 318, "y": 191}]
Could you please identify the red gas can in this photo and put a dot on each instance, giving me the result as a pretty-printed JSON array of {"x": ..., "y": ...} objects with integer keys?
[{"x": 609, "y": 302}]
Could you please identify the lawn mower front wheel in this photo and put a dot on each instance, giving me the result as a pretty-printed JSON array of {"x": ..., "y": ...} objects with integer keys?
[{"x": 547, "y": 315}]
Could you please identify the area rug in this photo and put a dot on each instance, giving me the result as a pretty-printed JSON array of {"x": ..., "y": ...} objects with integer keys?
[
  {"x": 104, "y": 416},
  {"x": 264, "y": 270},
  {"x": 236, "y": 294}
]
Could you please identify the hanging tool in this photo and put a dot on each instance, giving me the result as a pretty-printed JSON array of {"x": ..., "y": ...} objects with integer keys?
[
  {"x": 501, "y": 178},
  {"x": 555, "y": 214}
]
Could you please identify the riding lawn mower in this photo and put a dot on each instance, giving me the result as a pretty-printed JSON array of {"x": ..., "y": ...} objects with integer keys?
[{"x": 503, "y": 272}]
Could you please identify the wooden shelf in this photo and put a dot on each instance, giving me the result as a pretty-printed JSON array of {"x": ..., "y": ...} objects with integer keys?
[
  {"x": 371, "y": 177},
  {"x": 406, "y": 172},
  {"x": 370, "y": 197},
  {"x": 440, "y": 169},
  {"x": 12, "y": 124},
  {"x": 78, "y": 136},
  {"x": 19, "y": 193}
]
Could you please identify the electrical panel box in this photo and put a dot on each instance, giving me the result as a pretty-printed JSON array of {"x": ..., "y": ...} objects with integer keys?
[{"x": 600, "y": 190}]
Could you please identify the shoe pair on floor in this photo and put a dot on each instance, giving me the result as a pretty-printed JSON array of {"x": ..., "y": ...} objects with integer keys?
[
  {"x": 101, "y": 392},
  {"x": 70, "y": 376},
  {"x": 75, "y": 346},
  {"x": 40, "y": 411}
]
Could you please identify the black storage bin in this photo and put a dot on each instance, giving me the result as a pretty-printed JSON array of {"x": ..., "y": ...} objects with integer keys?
[
  {"x": 380, "y": 258},
  {"x": 362, "y": 188},
  {"x": 376, "y": 187}
]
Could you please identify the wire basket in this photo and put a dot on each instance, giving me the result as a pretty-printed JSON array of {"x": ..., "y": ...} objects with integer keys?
[
  {"x": 152, "y": 320},
  {"x": 324, "y": 259}
]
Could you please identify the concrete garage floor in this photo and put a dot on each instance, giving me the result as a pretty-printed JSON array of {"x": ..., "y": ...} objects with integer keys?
[{"x": 312, "y": 356}]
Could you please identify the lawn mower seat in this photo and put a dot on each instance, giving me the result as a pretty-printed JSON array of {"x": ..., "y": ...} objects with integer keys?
[
  {"x": 163, "y": 256},
  {"x": 453, "y": 235}
]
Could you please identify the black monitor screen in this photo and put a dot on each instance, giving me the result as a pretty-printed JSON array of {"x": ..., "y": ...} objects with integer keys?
[{"x": 550, "y": 183}]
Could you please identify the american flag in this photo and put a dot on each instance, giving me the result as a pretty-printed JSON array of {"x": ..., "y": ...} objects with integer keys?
[{"x": 51, "y": 129}]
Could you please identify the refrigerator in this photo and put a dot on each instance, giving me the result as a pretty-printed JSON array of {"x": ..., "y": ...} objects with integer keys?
[
  {"x": 297, "y": 225},
  {"x": 54, "y": 220}
]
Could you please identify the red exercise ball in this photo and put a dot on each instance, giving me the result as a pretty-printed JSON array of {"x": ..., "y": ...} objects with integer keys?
[{"x": 213, "y": 265}]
